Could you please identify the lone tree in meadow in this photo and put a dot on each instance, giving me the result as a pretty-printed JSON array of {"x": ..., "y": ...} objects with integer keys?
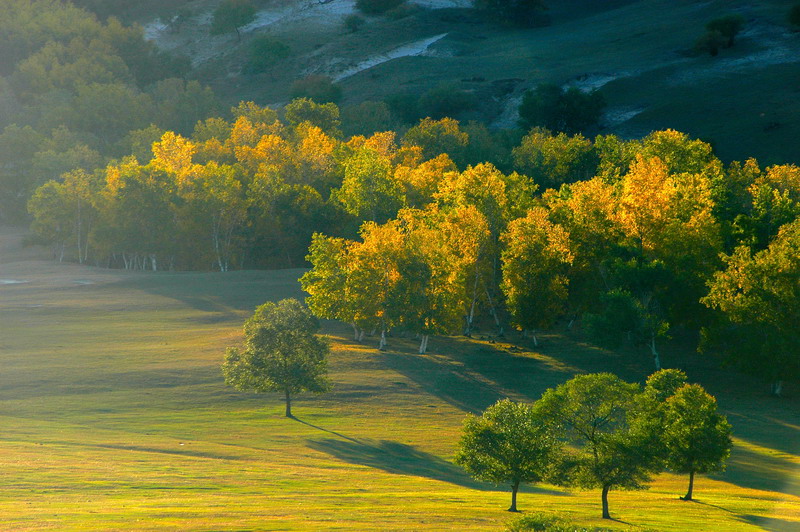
[
  {"x": 232, "y": 15},
  {"x": 599, "y": 417},
  {"x": 728, "y": 26},
  {"x": 697, "y": 438},
  {"x": 282, "y": 353},
  {"x": 507, "y": 444}
]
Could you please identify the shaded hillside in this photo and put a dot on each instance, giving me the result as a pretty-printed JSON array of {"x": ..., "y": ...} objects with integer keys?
[{"x": 638, "y": 52}]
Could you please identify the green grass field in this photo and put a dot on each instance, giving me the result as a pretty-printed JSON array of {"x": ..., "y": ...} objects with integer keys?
[{"x": 115, "y": 416}]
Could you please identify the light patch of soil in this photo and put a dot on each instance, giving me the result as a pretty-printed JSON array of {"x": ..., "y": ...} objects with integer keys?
[{"x": 416, "y": 48}]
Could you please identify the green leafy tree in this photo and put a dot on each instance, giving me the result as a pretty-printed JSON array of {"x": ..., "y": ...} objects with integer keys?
[
  {"x": 728, "y": 26},
  {"x": 369, "y": 190},
  {"x": 597, "y": 416},
  {"x": 551, "y": 160},
  {"x": 536, "y": 259},
  {"x": 436, "y": 137},
  {"x": 759, "y": 294},
  {"x": 508, "y": 444},
  {"x": 323, "y": 115},
  {"x": 569, "y": 111},
  {"x": 281, "y": 353},
  {"x": 319, "y": 88},
  {"x": 697, "y": 438},
  {"x": 265, "y": 52},
  {"x": 794, "y": 15},
  {"x": 515, "y": 12},
  {"x": 231, "y": 15}
]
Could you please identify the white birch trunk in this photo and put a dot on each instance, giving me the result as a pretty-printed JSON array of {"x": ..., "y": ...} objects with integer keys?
[
  {"x": 656, "y": 357},
  {"x": 423, "y": 344},
  {"x": 382, "y": 345}
]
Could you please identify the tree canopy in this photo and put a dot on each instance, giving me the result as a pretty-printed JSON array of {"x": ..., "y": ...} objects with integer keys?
[{"x": 281, "y": 353}]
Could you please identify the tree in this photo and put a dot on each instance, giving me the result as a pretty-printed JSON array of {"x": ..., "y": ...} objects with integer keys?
[
  {"x": 697, "y": 438},
  {"x": 316, "y": 87},
  {"x": 759, "y": 294},
  {"x": 794, "y": 15},
  {"x": 728, "y": 26},
  {"x": 536, "y": 258},
  {"x": 325, "y": 116},
  {"x": 515, "y": 12},
  {"x": 551, "y": 160},
  {"x": 232, "y": 15},
  {"x": 597, "y": 416},
  {"x": 265, "y": 52},
  {"x": 281, "y": 352},
  {"x": 369, "y": 190},
  {"x": 550, "y": 106},
  {"x": 507, "y": 444}
]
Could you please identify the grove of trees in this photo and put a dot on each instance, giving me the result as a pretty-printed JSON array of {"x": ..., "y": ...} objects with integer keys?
[
  {"x": 598, "y": 431},
  {"x": 631, "y": 238}
]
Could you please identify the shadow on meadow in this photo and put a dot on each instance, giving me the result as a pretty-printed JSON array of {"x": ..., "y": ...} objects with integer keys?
[
  {"x": 473, "y": 374},
  {"x": 750, "y": 469},
  {"x": 402, "y": 459},
  {"x": 770, "y": 523}
]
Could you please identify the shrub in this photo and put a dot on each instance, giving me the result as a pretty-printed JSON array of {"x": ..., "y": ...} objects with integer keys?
[
  {"x": 405, "y": 107},
  {"x": 794, "y": 15},
  {"x": 446, "y": 99},
  {"x": 710, "y": 42},
  {"x": 264, "y": 53},
  {"x": 353, "y": 22},
  {"x": 232, "y": 15},
  {"x": 728, "y": 26},
  {"x": 367, "y": 118},
  {"x": 551, "y": 107},
  {"x": 542, "y": 522},
  {"x": 377, "y": 7},
  {"x": 321, "y": 89}
]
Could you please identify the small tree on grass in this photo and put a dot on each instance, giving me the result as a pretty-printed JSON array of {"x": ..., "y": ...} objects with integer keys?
[
  {"x": 232, "y": 15},
  {"x": 794, "y": 15},
  {"x": 507, "y": 444},
  {"x": 696, "y": 436},
  {"x": 597, "y": 414},
  {"x": 281, "y": 353},
  {"x": 728, "y": 26}
]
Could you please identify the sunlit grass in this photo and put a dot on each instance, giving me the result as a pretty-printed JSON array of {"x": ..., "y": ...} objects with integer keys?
[{"x": 114, "y": 416}]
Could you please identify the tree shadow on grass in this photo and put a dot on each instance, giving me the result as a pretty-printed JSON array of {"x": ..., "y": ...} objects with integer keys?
[
  {"x": 472, "y": 376},
  {"x": 402, "y": 459},
  {"x": 760, "y": 471},
  {"x": 771, "y": 523}
]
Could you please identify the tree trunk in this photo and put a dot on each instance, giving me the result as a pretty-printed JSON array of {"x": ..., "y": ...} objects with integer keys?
[
  {"x": 423, "y": 344},
  {"x": 382, "y": 345},
  {"x": 606, "y": 515},
  {"x": 688, "y": 496},
  {"x": 288, "y": 404},
  {"x": 514, "y": 488},
  {"x": 656, "y": 358}
]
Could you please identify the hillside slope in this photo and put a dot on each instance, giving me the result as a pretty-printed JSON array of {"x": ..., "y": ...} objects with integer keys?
[{"x": 638, "y": 52}]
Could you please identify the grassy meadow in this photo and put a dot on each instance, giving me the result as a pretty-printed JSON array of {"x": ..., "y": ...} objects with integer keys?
[{"x": 114, "y": 415}]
